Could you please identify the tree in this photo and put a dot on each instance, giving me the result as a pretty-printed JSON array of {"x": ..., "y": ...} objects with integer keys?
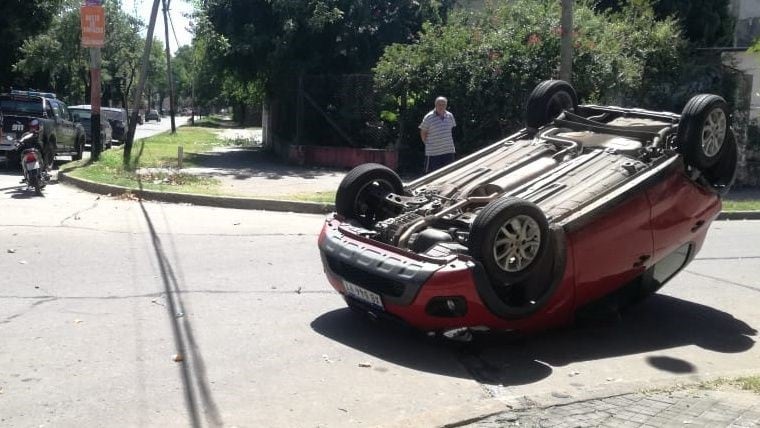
[
  {"x": 704, "y": 22},
  {"x": 56, "y": 60},
  {"x": 487, "y": 63},
  {"x": 20, "y": 20},
  {"x": 272, "y": 40}
]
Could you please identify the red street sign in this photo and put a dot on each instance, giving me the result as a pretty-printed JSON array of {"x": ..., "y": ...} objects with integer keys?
[{"x": 93, "y": 20}]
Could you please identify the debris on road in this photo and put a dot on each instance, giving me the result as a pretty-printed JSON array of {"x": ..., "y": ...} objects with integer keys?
[
  {"x": 11, "y": 250},
  {"x": 178, "y": 358},
  {"x": 365, "y": 365}
]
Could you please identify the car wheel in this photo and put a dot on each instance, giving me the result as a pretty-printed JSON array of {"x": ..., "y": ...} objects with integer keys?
[
  {"x": 722, "y": 175},
  {"x": 79, "y": 149},
  {"x": 703, "y": 128},
  {"x": 548, "y": 100},
  {"x": 509, "y": 237},
  {"x": 362, "y": 191}
]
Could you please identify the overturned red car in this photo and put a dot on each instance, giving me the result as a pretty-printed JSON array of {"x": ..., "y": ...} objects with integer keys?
[{"x": 583, "y": 203}]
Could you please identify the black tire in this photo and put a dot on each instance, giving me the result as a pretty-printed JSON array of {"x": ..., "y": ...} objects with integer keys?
[
  {"x": 362, "y": 190},
  {"x": 79, "y": 149},
  {"x": 547, "y": 101},
  {"x": 722, "y": 175},
  {"x": 34, "y": 180},
  {"x": 494, "y": 223},
  {"x": 702, "y": 130}
]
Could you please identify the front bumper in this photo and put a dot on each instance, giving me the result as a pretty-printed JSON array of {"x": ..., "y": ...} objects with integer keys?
[{"x": 429, "y": 294}]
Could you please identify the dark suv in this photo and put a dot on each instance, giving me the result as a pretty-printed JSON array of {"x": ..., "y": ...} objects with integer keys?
[
  {"x": 47, "y": 117},
  {"x": 117, "y": 117}
]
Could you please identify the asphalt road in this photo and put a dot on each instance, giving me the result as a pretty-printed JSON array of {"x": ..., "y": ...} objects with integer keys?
[{"x": 121, "y": 313}]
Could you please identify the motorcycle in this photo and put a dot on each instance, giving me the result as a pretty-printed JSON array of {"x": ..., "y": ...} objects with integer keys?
[{"x": 32, "y": 163}]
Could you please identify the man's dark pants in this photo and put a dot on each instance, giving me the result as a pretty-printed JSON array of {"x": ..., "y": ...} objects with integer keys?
[{"x": 434, "y": 162}]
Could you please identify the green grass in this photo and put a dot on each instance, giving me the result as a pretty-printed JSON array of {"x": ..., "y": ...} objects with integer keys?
[
  {"x": 750, "y": 383},
  {"x": 159, "y": 155},
  {"x": 324, "y": 197},
  {"x": 747, "y": 383},
  {"x": 212, "y": 122},
  {"x": 741, "y": 205}
]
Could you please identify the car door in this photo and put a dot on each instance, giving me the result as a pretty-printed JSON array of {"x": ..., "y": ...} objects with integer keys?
[
  {"x": 681, "y": 210},
  {"x": 613, "y": 248},
  {"x": 65, "y": 127}
]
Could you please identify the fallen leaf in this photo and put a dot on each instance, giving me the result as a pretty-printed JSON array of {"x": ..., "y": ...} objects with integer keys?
[
  {"x": 11, "y": 250},
  {"x": 236, "y": 224},
  {"x": 78, "y": 321},
  {"x": 22, "y": 262},
  {"x": 298, "y": 291},
  {"x": 178, "y": 358}
]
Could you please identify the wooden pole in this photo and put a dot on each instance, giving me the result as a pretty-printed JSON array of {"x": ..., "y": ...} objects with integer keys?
[
  {"x": 141, "y": 83},
  {"x": 169, "y": 66},
  {"x": 96, "y": 146},
  {"x": 566, "y": 44}
]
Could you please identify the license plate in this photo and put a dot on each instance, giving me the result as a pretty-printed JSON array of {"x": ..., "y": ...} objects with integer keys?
[
  {"x": 32, "y": 166},
  {"x": 366, "y": 296},
  {"x": 17, "y": 127}
]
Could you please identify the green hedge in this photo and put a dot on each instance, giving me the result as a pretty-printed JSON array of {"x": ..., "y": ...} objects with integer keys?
[{"x": 487, "y": 63}]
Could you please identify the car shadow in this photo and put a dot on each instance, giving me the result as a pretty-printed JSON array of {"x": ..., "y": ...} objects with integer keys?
[{"x": 660, "y": 323}]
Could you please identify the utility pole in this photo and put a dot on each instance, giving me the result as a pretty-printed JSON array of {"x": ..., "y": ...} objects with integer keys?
[
  {"x": 169, "y": 66},
  {"x": 95, "y": 143},
  {"x": 566, "y": 43},
  {"x": 93, "y": 23},
  {"x": 141, "y": 83}
]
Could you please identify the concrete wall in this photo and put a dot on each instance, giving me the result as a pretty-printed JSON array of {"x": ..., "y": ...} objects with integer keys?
[
  {"x": 749, "y": 63},
  {"x": 747, "y": 13}
]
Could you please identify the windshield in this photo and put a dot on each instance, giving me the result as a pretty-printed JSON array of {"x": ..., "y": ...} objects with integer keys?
[
  {"x": 83, "y": 114},
  {"x": 115, "y": 114},
  {"x": 21, "y": 106}
]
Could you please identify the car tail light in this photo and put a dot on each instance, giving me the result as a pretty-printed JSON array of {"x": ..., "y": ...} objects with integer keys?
[{"x": 34, "y": 125}]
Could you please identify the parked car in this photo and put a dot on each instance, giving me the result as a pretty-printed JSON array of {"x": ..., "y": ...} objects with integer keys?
[
  {"x": 152, "y": 115},
  {"x": 44, "y": 115},
  {"x": 117, "y": 117},
  {"x": 585, "y": 203},
  {"x": 83, "y": 114}
]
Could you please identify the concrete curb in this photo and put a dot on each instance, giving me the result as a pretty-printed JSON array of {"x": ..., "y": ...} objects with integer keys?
[
  {"x": 204, "y": 200},
  {"x": 739, "y": 215}
]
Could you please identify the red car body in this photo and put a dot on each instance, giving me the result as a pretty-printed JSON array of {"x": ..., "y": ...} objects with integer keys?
[{"x": 634, "y": 236}]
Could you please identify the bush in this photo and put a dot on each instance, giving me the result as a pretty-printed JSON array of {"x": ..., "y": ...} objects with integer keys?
[{"x": 487, "y": 63}]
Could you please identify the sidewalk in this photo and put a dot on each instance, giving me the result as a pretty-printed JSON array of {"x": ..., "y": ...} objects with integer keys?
[{"x": 691, "y": 407}]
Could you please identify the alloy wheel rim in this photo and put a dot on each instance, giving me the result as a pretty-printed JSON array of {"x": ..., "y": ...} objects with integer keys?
[
  {"x": 517, "y": 243},
  {"x": 713, "y": 132}
]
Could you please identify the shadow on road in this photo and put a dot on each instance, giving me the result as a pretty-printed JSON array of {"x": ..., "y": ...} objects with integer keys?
[
  {"x": 198, "y": 398},
  {"x": 660, "y": 323}
]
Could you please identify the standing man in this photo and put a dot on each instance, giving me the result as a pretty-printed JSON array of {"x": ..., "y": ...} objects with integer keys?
[{"x": 435, "y": 132}]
